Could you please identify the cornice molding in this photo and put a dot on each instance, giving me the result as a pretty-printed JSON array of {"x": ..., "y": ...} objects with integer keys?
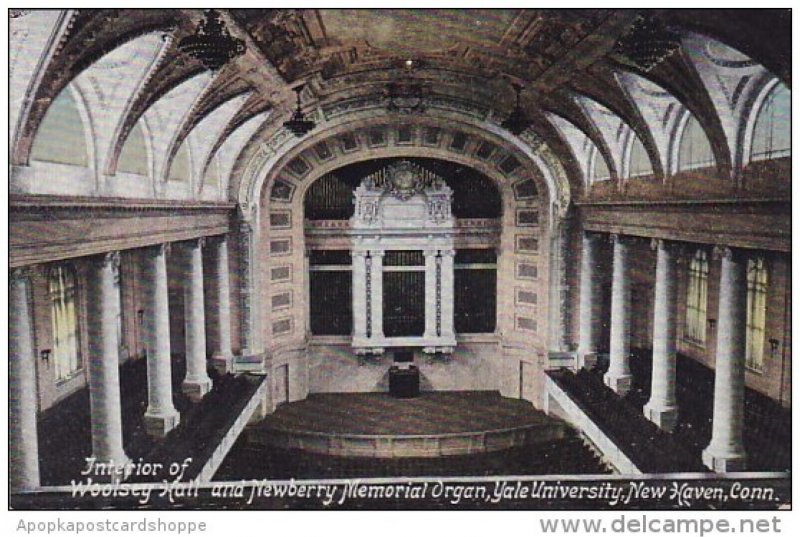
[{"x": 23, "y": 203}]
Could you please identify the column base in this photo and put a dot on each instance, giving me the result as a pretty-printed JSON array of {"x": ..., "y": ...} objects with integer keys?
[
  {"x": 222, "y": 363},
  {"x": 587, "y": 360},
  {"x": 724, "y": 461},
  {"x": 196, "y": 389},
  {"x": 666, "y": 418},
  {"x": 621, "y": 384},
  {"x": 160, "y": 424}
]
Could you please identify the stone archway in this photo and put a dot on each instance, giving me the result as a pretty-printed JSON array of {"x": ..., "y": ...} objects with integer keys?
[{"x": 279, "y": 244}]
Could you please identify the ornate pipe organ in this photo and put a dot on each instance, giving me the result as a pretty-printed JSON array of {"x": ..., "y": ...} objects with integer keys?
[{"x": 402, "y": 255}]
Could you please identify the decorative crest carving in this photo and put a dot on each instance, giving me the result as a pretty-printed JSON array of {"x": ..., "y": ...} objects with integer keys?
[{"x": 403, "y": 180}]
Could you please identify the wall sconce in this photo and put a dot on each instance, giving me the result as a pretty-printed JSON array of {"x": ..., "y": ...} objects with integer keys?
[
  {"x": 712, "y": 323},
  {"x": 773, "y": 346},
  {"x": 44, "y": 354},
  {"x": 140, "y": 317}
]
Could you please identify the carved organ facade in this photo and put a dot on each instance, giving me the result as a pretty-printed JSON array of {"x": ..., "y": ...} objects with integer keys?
[{"x": 402, "y": 236}]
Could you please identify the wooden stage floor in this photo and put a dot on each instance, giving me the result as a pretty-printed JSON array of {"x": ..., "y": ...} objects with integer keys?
[{"x": 378, "y": 425}]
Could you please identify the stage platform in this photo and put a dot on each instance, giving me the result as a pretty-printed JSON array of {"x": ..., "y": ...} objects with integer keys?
[{"x": 434, "y": 424}]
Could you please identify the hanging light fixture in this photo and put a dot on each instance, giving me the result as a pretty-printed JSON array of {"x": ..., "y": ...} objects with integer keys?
[
  {"x": 299, "y": 125},
  {"x": 212, "y": 43},
  {"x": 647, "y": 43},
  {"x": 517, "y": 121}
]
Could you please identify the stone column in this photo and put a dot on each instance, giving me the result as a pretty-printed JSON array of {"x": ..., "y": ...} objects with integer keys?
[
  {"x": 223, "y": 355},
  {"x": 23, "y": 444},
  {"x": 446, "y": 294},
  {"x": 377, "y": 293},
  {"x": 161, "y": 415},
  {"x": 726, "y": 452},
  {"x": 662, "y": 408},
  {"x": 102, "y": 305},
  {"x": 588, "y": 329},
  {"x": 196, "y": 383},
  {"x": 431, "y": 296},
  {"x": 618, "y": 377},
  {"x": 359, "y": 295}
]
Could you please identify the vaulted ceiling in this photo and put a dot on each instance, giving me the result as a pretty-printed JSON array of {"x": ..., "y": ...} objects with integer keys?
[{"x": 566, "y": 60}]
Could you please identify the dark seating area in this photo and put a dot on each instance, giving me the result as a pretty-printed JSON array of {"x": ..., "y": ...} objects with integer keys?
[
  {"x": 65, "y": 431},
  {"x": 767, "y": 435},
  {"x": 649, "y": 448},
  {"x": 767, "y": 425},
  {"x": 204, "y": 424}
]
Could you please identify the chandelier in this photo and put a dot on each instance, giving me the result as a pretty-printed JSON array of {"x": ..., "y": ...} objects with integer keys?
[
  {"x": 406, "y": 96},
  {"x": 211, "y": 42},
  {"x": 647, "y": 44},
  {"x": 517, "y": 121},
  {"x": 299, "y": 125}
]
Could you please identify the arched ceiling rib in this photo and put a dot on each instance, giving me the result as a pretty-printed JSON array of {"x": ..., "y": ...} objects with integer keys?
[
  {"x": 32, "y": 39},
  {"x": 88, "y": 36},
  {"x": 466, "y": 60},
  {"x": 109, "y": 84},
  {"x": 167, "y": 115},
  {"x": 659, "y": 110},
  {"x": 209, "y": 130}
]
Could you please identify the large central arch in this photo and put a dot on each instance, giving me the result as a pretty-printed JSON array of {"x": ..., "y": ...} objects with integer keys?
[{"x": 508, "y": 360}]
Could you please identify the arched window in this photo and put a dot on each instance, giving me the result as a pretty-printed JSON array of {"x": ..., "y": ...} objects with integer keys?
[
  {"x": 64, "y": 321},
  {"x": 697, "y": 298},
  {"x": 639, "y": 161},
  {"x": 772, "y": 132},
  {"x": 694, "y": 150},
  {"x": 61, "y": 138},
  {"x": 756, "y": 312},
  {"x": 133, "y": 157},
  {"x": 599, "y": 169}
]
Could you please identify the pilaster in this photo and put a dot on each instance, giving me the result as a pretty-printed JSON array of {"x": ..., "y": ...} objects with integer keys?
[{"x": 23, "y": 443}]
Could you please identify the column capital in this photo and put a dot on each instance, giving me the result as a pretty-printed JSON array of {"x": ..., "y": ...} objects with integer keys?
[
  {"x": 448, "y": 253},
  {"x": 110, "y": 260},
  {"x": 199, "y": 242},
  {"x": 594, "y": 235},
  {"x": 616, "y": 238},
  {"x": 20, "y": 274},
  {"x": 721, "y": 251},
  {"x": 160, "y": 249},
  {"x": 358, "y": 253},
  {"x": 671, "y": 246},
  {"x": 430, "y": 252},
  {"x": 377, "y": 253}
]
